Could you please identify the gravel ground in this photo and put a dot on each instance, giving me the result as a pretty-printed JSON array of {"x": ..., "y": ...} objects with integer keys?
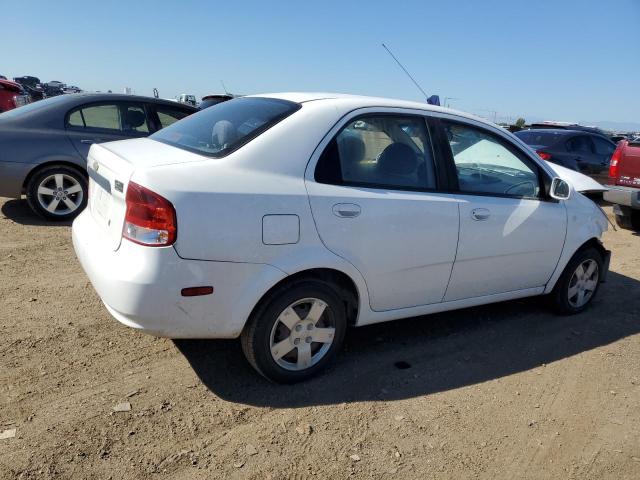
[{"x": 503, "y": 391}]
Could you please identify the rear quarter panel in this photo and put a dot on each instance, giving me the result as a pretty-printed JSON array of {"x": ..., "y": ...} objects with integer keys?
[
  {"x": 220, "y": 203},
  {"x": 34, "y": 147}
]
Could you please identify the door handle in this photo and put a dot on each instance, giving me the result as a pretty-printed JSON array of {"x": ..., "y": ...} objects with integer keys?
[
  {"x": 480, "y": 214},
  {"x": 90, "y": 141},
  {"x": 346, "y": 210}
]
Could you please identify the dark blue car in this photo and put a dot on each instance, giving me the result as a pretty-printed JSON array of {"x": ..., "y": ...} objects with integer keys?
[{"x": 579, "y": 150}]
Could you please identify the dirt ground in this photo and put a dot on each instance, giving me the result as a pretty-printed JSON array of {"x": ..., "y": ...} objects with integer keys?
[{"x": 504, "y": 391}]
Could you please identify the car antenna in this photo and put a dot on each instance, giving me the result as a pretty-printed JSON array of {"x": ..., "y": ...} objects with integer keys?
[
  {"x": 224, "y": 88},
  {"x": 433, "y": 99}
]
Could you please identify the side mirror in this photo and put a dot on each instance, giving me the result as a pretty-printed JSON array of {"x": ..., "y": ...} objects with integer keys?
[{"x": 560, "y": 189}]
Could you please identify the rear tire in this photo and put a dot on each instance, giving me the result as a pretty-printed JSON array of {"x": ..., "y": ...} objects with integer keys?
[
  {"x": 579, "y": 282},
  {"x": 57, "y": 192},
  {"x": 295, "y": 332}
]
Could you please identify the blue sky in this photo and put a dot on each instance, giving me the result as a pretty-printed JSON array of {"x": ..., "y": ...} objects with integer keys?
[{"x": 565, "y": 59}]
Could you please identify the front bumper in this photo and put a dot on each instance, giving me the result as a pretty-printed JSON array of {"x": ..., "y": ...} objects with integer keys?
[
  {"x": 141, "y": 286},
  {"x": 620, "y": 195}
]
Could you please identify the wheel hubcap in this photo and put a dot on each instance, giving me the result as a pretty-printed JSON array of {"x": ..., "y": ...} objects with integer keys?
[
  {"x": 303, "y": 334},
  {"x": 60, "y": 194},
  {"x": 583, "y": 283}
]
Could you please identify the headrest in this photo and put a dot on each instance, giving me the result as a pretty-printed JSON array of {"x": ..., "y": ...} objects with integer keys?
[
  {"x": 398, "y": 159},
  {"x": 135, "y": 118},
  {"x": 351, "y": 148},
  {"x": 224, "y": 133}
]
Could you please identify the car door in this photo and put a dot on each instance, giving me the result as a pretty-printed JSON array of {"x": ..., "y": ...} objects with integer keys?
[
  {"x": 511, "y": 236},
  {"x": 603, "y": 151},
  {"x": 105, "y": 122},
  {"x": 375, "y": 199}
]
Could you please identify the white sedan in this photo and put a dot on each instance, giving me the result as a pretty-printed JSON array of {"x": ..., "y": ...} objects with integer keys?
[{"x": 283, "y": 219}]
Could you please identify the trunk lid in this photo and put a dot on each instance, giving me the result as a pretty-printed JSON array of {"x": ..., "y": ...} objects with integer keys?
[
  {"x": 109, "y": 176},
  {"x": 629, "y": 166},
  {"x": 111, "y": 165}
]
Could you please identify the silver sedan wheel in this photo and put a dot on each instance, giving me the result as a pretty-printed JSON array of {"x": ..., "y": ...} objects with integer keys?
[
  {"x": 303, "y": 334},
  {"x": 60, "y": 194},
  {"x": 583, "y": 283}
]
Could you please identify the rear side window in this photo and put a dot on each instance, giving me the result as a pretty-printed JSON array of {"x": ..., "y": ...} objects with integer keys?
[
  {"x": 127, "y": 118},
  {"x": 580, "y": 144},
  {"x": 603, "y": 147},
  {"x": 104, "y": 117},
  {"x": 223, "y": 128},
  {"x": 380, "y": 151}
]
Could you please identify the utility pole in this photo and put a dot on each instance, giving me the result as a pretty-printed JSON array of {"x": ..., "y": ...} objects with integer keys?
[{"x": 447, "y": 100}]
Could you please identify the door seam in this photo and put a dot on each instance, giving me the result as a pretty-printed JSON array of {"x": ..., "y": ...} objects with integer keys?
[{"x": 455, "y": 256}]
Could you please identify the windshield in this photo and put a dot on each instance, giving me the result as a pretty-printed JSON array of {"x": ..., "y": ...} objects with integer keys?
[
  {"x": 32, "y": 107},
  {"x": 537, "y": 137},
  {"x": 223, "y": 128}
]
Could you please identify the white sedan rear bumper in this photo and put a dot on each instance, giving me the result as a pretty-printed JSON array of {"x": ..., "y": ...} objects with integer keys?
[{"x": 141, "y": 286}]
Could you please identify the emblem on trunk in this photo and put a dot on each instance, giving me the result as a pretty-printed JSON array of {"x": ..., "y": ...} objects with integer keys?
[
  {"x": 119, "y": 185},
  {"x": 95, "y": 165}
]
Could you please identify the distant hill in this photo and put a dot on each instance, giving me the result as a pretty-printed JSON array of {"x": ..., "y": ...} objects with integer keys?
[{"x": 615, "y": 126}]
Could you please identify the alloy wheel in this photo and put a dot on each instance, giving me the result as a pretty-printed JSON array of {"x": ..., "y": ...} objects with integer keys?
[
  {"x": 60, "y": 194},
  {"x": 302, "y": 334},
  {"x": 583, "y": 283}
]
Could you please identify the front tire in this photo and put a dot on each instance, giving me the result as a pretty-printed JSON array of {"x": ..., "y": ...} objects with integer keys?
[
  {"x": 579, "y": 282},
  {"x": 628, "y": 219},
  {"x": 57, "y": 192},
  {"x": 296, "y": 332}
]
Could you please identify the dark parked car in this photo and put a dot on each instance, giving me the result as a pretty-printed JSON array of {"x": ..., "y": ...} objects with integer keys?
[
  {"x": 617, "y": 138},
  {"x": 45, "y": 144},
  {"x": 12, "y": 95},
  {"x": 583, "y": 151},
  {"x": 32, "y": 86}
]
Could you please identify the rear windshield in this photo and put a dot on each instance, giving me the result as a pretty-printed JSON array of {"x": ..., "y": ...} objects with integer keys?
[
  {"x": 536, "y": 137},
  {"x": 223, "y": 128}
]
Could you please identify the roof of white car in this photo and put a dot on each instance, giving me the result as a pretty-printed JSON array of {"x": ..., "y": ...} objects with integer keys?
[{"x": 361, "y": 101}]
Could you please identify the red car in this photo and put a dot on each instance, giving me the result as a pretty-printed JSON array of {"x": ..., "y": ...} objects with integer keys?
[
  {"x": 12, "y": 95},
  {"x": 624, "y": 188}
]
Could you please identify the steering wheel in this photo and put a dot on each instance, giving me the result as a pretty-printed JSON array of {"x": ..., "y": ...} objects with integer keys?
[{"x": 533, "y": 188}]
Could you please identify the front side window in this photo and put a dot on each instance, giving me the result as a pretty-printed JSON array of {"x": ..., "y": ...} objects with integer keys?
[
  {"x": 169, "y": 116},
  {"x": 486, "y": 165},
  {"x": 134, "y": 120},
  {"x": 218, "y": 131},
  {"x": 380, "y": 151}
]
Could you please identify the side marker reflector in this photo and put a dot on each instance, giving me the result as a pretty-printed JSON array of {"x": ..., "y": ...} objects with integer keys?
[{"x": 196, "y": 291}]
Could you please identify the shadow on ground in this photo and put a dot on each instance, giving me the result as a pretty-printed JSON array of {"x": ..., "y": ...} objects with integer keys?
[
  {"x": 429, "y": 354},
  {"x": 19, "y": 212}
]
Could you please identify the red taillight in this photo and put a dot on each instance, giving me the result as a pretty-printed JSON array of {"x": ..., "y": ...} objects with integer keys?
[
  {"x": 615, "y": 160},
  {"x": 150, "y": 219},
  {"x": 543, "y": 155}
]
